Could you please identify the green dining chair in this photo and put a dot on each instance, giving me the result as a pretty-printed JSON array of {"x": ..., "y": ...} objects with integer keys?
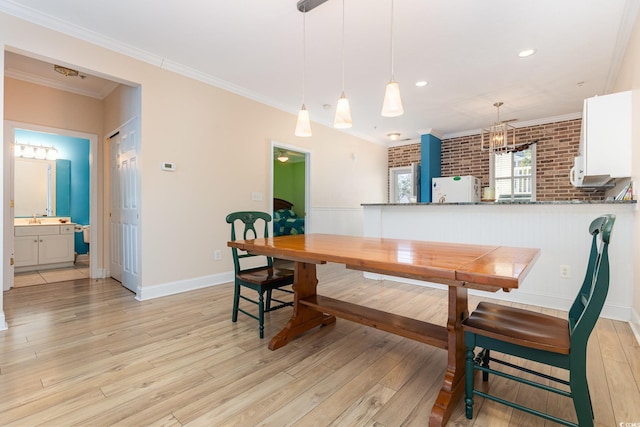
[
  {"x": 541, "y": 338},
  {"x": 260, "y": 276}
]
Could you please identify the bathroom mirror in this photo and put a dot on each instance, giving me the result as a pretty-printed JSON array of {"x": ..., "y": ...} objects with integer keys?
[{"x": 34, "y": 187}]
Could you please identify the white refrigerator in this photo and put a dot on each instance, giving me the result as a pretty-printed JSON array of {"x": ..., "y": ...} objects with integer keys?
[{"x": 455, "y": 189}]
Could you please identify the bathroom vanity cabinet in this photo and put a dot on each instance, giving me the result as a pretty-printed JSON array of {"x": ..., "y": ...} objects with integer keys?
[{"x": 39, "y": 247}]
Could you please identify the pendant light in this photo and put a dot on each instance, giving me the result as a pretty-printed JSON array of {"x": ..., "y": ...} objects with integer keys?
[
  {"x": 303, "y": 125},
  {"x": 392, "y": 105},
  {"x": 342, "y": 119}
]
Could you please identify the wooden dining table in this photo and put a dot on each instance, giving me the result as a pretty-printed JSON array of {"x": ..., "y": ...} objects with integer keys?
[{"x": 459, "y": 266}]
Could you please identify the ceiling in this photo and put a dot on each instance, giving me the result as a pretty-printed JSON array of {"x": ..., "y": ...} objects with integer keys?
[{"x": 467, "y": 51}]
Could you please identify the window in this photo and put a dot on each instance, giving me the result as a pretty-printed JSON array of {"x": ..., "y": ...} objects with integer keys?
[
  {"x": 513, "y": 175},
  {"x": 401, "y": 184}
]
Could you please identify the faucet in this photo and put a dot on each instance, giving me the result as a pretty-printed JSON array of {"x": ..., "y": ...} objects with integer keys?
[{"x": 34, "y": 220}]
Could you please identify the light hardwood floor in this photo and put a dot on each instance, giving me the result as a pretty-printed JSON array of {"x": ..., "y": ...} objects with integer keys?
[{"x": 87, "y": 353}]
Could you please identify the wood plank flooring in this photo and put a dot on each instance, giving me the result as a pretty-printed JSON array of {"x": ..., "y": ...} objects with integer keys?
[{"x": 86, "y": 353}]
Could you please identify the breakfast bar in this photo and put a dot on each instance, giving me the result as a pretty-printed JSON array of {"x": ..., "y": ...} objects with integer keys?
[{"x": 556, "y": 227}]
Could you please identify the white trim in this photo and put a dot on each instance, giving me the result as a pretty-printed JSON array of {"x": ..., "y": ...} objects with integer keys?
[
  {"x": 634, "y": 322},
  {"x": 3, "y": 323},
  {"x": 308, "y": 220},
  {"x": 171, "y": 288}
]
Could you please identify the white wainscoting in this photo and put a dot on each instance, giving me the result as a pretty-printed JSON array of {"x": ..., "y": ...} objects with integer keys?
[
  {"x": 559, "y": 230},
  {"x": 330, "y": 220}
]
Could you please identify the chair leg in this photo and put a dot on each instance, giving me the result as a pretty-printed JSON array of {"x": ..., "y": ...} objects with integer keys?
[
  {"x": 261, "y": 313},
  {"x": 236, "y": 302},
  {"x": 485, "y": 363},
  {"x": 469, "y": 379},
  {"x": 580, "y": 393},
  {"x": 268, "y": 304}
]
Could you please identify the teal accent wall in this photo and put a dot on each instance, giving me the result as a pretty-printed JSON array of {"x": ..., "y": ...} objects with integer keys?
[
  {"x": 289, "y": 184},
  {"x": 63, "y": 187},
  {"x": 430, "y": 164},
  {"x": 76, "y": 151}
]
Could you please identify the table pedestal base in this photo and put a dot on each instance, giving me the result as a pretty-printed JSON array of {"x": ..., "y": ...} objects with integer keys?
[{"x": 303, "y": 318}]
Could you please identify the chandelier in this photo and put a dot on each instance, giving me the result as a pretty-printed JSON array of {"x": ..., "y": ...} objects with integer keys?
[{"x": 500, "y": 136}]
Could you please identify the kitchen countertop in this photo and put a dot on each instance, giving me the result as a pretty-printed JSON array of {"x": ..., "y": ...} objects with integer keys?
[{"x": 556, "y": 202}]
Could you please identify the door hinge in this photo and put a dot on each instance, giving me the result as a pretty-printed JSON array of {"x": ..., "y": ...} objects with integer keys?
[{"x": 11, "y": 261}]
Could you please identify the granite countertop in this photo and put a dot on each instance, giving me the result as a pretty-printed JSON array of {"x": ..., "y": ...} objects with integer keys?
[{"x": 556, "y": 202}]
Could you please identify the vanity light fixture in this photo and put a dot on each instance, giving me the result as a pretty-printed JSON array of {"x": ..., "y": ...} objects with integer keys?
[
  {"x": 28, "y": 152},
  {"x": 52, "y": 154},
  {"x": 41, "y": 153},
  {"x": 392, "y": 105},
  {"x": 38, "y": 152}
]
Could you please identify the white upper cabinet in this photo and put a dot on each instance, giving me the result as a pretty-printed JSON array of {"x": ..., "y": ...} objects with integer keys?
[{"x": 606, "y": 136}]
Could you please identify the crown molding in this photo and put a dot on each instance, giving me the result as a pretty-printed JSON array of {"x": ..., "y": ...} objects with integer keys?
[{"x": 523, "y": 124}]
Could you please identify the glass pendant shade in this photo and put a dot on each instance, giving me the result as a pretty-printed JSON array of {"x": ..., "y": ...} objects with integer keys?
[
  {"x": 392, "y": 105},
  {"x": 41, "y": 153},
  {"x": 52, "y": 154},
  {"x": 303, "y": 125},
  {"x": 343, "y": 114},
  {"x": 28, "y": 152}
]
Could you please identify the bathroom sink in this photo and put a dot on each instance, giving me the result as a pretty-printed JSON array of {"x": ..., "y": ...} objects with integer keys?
[{"x": 41, "y": 221}]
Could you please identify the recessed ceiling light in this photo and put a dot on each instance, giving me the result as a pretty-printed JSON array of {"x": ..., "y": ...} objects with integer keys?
[
  {"x": 526, "y": 52},
  {"x": 421, "y": 83}
]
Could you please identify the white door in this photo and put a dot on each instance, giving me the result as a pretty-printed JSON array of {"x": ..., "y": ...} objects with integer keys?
[
  {"x": 8, "y": 211},
  {"x": 115, "y": 215},
  {"x": 125, "y": 206}
]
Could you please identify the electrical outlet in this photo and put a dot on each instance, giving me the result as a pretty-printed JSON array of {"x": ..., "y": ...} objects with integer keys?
[
  {"x": 565, "y": 271},
  {"x": 217, "y": 255}
]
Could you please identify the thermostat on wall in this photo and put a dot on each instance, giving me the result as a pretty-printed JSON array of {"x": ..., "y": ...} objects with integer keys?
[{"x": 168, "y": 166}]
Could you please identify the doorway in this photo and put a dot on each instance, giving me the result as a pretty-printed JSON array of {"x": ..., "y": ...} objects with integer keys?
[
  {"x": 290, "y": 189},
  {"x": 78, "y": 149}
]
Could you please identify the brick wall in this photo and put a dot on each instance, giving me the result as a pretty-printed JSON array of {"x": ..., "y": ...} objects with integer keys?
[{"x": 557, "y": 146}]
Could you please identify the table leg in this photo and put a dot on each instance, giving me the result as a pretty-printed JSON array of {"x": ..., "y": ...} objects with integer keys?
[
  {"x": 453, "y": 385},
  {"x": 303, "y": 318}
]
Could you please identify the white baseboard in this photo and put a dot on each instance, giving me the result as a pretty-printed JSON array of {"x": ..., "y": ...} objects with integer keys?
[
  {"x": 3, "y": 322},
  {"x": 635, "y": 325},
  {"x": 172, "y": 288}
]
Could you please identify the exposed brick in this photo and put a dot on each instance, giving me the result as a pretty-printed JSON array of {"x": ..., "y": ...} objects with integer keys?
[{"x": 557, "y": 146}]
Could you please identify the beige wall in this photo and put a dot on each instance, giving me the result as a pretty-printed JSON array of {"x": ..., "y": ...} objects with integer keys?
[
  {"x": 629, "y": 79},
  {"x": 221, "y": 144}
]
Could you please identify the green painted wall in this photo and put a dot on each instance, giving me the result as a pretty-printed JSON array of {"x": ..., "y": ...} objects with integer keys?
[{"x": 289, "y": 184}]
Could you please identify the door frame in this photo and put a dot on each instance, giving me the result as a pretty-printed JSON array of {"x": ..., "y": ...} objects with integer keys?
[
  {"x": 307, "y": 180},
  {"x": 9, "y": 135}
]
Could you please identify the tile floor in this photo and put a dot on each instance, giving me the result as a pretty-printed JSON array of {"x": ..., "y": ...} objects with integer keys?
[{"x": 79, "y": 271}]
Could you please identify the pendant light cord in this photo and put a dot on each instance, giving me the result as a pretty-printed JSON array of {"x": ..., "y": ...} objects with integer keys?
[
  {"x": 392, "y": 76},
  {"x": 342, "y": 46},
  {"x": 304, "y": 50}
]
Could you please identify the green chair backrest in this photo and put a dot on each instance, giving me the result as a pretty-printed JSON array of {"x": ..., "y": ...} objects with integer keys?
[
  {"x": 586, "y": 307},
  {"x": 249, "y": 219}
]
